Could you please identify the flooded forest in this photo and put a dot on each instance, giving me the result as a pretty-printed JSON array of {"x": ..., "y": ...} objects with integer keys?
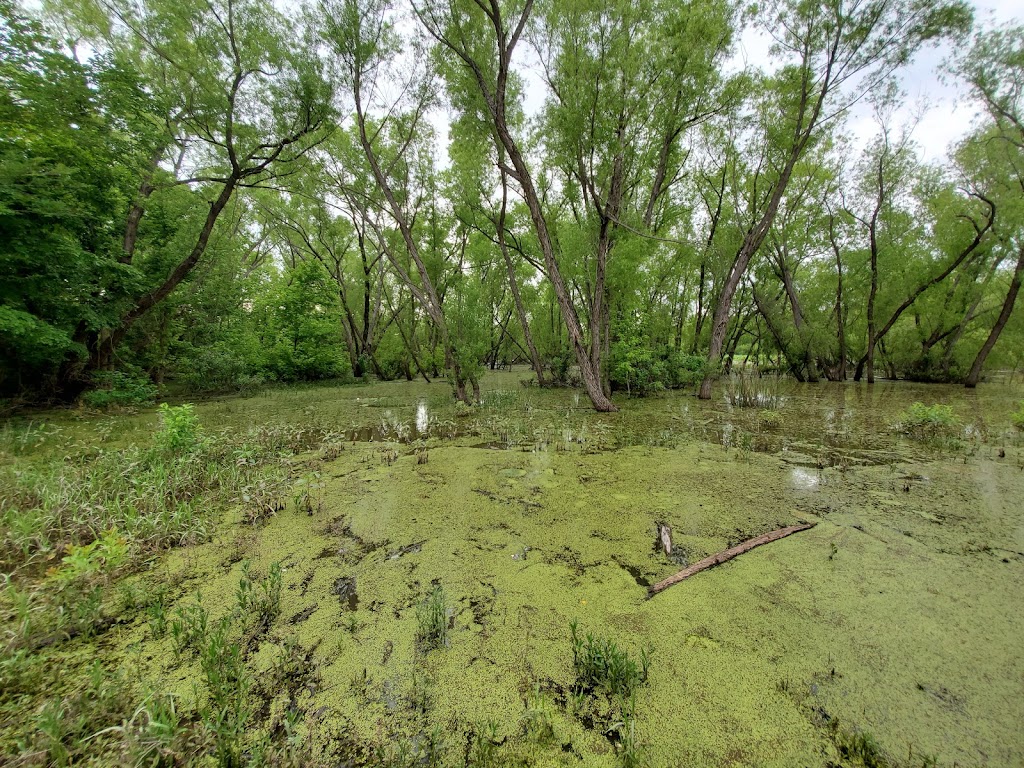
[{"x": 482, "y": 383}]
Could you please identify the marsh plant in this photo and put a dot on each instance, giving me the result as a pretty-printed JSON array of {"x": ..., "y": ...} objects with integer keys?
[
  {"x": 629, "y": 750},
  {"x": 768, "y": 419},
  {"x": 751, "y": 389},
  {"x": 260, "y": 598},
  {"x": 432, "y": 620},
  {"x": 928, "y": 421},
  {"x": 538, "y": 724},
  {"x": 179, "y": 429},
  {"x": 308, "y": 493},
  {"x": 189, "y": 627},
  {"x": 227, "y": 711},
  {"x": 484, "y": 746},
  {"x": 156, "y": 615},
  {"x": 600, "y": 664}
]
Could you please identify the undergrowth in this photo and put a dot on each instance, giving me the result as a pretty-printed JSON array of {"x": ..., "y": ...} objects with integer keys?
[{"x": 927, "y": 421}]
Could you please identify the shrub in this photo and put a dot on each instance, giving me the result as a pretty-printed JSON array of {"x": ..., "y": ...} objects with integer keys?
[
  {"x": 921, "y": 420},
  {"x": 1018, "y": 416},
  {"x": 179, "y": 429},
  {"x": 107, "y": 552},
  {"x": 117, "y": 389}
]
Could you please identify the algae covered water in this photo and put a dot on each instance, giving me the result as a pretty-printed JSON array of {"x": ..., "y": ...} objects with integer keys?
[{"x": 368, "y": 575}]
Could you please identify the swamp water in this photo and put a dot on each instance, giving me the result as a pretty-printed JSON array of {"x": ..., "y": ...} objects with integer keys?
[{"x": 891, "y": 633}]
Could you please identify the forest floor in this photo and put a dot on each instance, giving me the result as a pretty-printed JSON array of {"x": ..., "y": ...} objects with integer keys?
[{"x": 887, "y": 635}]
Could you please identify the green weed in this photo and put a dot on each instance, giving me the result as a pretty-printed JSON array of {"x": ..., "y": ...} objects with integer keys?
[
  {"x": 227, "y": 710},
  {"x": 600, "y": 663},
  {"x": 483, "y": 752},
  {"x": 179, "y": 429},
  {"x": 927, "y": 421},
  {"x": 262, "y": 598},
  {"x": 432, "y": 620}
]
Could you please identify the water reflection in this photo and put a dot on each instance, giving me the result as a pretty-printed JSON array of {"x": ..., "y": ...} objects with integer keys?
[
  {"x": 804, "y": 479},
  {"x": 422, "y": 416}
]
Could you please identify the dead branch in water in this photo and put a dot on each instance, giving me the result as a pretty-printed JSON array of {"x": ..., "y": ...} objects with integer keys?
[{"x": 728, "y": 554}]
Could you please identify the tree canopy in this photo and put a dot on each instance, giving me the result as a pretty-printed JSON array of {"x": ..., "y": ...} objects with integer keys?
[{"x": 213, "y": 194}]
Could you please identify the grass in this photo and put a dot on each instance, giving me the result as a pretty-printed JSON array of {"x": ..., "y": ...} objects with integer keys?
[
  {"x": 600, "y": 664},
  {"x": 1017, "y": 417},
  {"x": 432, "y": 620},
  {"x": 749, "y": 389}
]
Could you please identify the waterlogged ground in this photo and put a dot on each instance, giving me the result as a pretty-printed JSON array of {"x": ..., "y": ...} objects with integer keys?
[{"x": 891, "y": 631}]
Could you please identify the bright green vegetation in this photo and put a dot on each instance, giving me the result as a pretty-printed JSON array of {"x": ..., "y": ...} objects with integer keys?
[
  {"x": 152, "y": 612},
  {"x": 1018, "y": 417},
  {"x": 600, "y": 663},
  {"x": 921, "y": 420}
]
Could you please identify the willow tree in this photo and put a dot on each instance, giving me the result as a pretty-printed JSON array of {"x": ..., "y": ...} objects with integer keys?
[
  {"x": 994, "y": 69},
  {"x": 240, "y": 106},
  {"x": 831, "y": 54}
]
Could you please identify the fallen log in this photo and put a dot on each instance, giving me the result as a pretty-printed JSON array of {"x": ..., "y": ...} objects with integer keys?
[{"x": 725, "y": 555}]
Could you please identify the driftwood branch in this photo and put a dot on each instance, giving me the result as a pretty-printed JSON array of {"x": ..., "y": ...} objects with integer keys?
[{"x": 728, "y": 554}]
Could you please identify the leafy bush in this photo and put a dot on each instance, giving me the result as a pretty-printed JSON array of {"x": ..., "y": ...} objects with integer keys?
[
  {"x": 179, "y": 429},
  {"x": 217, "y": 368},
  {"x": 117, "y": 389},
  {"x": 1018, "y": 417},
  {"x": 107, "y": 552},
  {"x": 921, "y": 420},
  {"x": 637, "y": 370},
  {"x": 642, "y": 370}
]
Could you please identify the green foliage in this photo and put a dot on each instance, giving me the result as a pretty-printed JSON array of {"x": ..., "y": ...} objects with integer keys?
[
  {"x": 190, "y": 626},
  {"x": 302, "y": 331},
  {"x": 1018, "y": 417},
  {"x": 179, "y": 429},
  {"x": 119, "y": 389},
  {"x": 227, "y": 711},
  {"x": 71, "y": 134},
  {"x": 640, "y": 369},
  {"x": 432, "y": 620},
  {"x": 600, "y": 664},
  {"x": 925, "y": 421},
  {"x": 260, "y": 599},
  {"x": 82, "y": 561}
]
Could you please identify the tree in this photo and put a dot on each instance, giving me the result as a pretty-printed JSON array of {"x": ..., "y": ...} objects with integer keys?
[
  {"x": 833, "y": 53},
  {"x": 240, "y": 107},
  {"x": 994, "y": 69}
]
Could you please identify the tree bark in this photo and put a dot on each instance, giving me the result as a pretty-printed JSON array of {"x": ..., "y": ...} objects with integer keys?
[
  {"x": 1011, "y": 298},
  {"x": 726, "y": 555}
]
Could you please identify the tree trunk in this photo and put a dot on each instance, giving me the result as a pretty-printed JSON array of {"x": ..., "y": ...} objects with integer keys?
[
  {"x": 1011, "y": 298},
  {"x": 513, "y": 284}
]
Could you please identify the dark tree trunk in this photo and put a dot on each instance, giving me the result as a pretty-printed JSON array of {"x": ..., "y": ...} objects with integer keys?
[{"x": 1011, "y": 298}]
